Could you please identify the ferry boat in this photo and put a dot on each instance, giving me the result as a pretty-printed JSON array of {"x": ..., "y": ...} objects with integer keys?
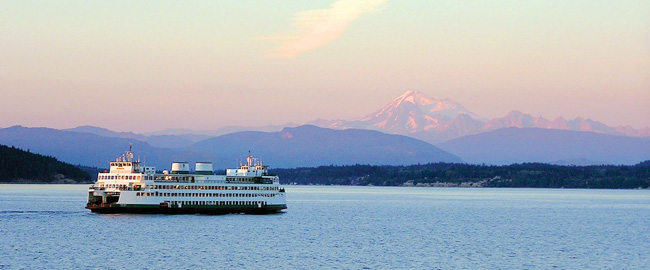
[{"x": 129, "y": 187}]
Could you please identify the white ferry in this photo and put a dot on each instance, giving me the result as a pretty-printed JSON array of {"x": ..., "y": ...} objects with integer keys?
[{"x": 129, "y": 187}]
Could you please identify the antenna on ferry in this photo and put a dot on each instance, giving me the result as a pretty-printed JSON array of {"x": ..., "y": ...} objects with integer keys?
[
  {"x": 249, "y": 159},
  {"x": 130, "y": 146}
]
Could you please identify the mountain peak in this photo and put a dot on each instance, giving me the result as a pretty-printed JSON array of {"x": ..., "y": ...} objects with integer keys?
[
  {"x": 408, "y": 94},
  {"x": 515, "y": 113},
  {"x": 414, "y": 97},
  {"x": 413, "y": 112}
]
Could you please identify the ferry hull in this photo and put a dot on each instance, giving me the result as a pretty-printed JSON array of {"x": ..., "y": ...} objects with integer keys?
[{"x": 189, "y": 209}]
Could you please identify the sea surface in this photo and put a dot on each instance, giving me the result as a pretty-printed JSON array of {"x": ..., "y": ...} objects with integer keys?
[{"x": 335, "y": 227}]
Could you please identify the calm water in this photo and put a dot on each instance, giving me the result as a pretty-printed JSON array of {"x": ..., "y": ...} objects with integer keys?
[{"x": 45, "y": 226}]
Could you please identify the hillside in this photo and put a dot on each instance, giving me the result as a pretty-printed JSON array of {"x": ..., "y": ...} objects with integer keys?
[
  {"x": 314, "y": 146},
  {"x": 19, "y": 166},
  {"x": 85, "y": 148},
  {"x": 517, "y": 145},
  {"x": 291, "y": 147}
]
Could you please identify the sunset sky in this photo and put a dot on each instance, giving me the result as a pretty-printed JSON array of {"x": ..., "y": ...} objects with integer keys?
[{"x": 151, "y": 65}]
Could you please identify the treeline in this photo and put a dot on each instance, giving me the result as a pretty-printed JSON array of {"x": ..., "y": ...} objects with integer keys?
[
  {"x": 19, "y": 166},
  {"x": 537, "y": 175}
]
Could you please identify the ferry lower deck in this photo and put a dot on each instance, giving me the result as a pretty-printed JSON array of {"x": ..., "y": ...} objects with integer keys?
[{"x": 218, "y": 208}]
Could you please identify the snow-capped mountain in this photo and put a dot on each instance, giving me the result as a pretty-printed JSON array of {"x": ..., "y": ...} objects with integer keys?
[
  {"x": 416, "y": 115},
  {"x": 438, "y": 120},
  {"x": 413, "y": 112}
]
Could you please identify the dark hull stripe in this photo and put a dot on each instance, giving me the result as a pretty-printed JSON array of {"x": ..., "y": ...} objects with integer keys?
[{"x": 186, "y": 209}]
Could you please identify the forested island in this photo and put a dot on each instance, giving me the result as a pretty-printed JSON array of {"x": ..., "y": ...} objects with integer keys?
[
  {"x": 537, "y": 175},
  {"x": 19, "y": 166}
]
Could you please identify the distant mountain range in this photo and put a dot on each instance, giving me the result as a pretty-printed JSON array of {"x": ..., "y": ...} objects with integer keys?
[
  {"x": 80, "y": 148},
  {"x": 437, "y": 120},
  {"x": 414, "y": 120},
  {"x": 412, "y": 114},
  {"x": 292, "y": 147},
  {"x": 562, "y": 147},
  {"x": 306, "y": 146},
  {"x": 176, "y": 140}
]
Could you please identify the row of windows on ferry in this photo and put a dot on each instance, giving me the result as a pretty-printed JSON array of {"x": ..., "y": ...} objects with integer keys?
[
  {"x": 167, "y": 178},
  {"x": 122, "y": 186},
  {"x": 125, "y": 177},
  {"x": 219, "y": 203},
  {"x": 247, "y": 179},
  {"x": 121, "y": 164},
  {"x": 229, "y": 195},
  {"x": 212, "y": 187}
]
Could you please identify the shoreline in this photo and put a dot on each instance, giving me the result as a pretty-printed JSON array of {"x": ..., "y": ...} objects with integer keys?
[
  {"x": 46, "y": 183},
  {"x": 407, "y": 186}
]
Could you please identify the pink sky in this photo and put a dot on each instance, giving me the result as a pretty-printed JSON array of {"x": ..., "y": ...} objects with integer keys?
[{"x": 152, "y": 65}]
